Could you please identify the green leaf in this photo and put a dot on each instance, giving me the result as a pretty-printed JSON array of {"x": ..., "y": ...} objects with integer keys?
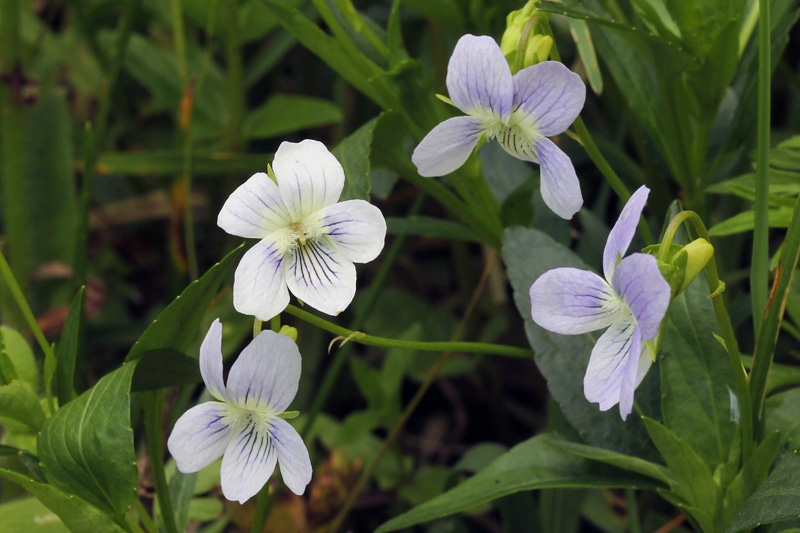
[
  {"x": 585, "y": 45},
  {"x": 20, "y": 355},
  {"x": 76, "y": 514},
  {"x": 67, "y": 361},
  {"x": 178, "y": 324},
  {"x": 751, "y": 476},
  {"x": 697, "y": 384},
  {"x": 51, "y": 176},
  {"x": 160, "y": 369},
  {"x": 778, "y": 218},
  {"x": 19, "y": 402},
  {"x": 284, "y": 113},
  {"x": 563, "y": 359},
  {"x": 31, "y": 516},
  {"x": 532, "y": 464},
  {"x": 777, "y": 499},
  {"x": 170, "y": 162},
  {"x": 693, "y": 480},
  {"x": 781, "y": 415},
  {"x": 354, "y": 155},
  {"x": 504, "y": 174},
  {"x": 625, "y": 462},
  {"x": 86, "y": 447},
  {"x": 433, "y": 228}
]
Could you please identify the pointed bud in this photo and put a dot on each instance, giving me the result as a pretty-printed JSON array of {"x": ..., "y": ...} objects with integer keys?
[
  {"x": 683, "y": 263},
  {"x": 289, "y": 331},
  {"x": 699, "y": 253},
  {"x": 521, "y": 44}
]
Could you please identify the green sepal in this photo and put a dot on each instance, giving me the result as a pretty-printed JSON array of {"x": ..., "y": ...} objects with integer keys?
[
  {"x": 289, "y": 331},
  {"x": 288, "y": 415}
]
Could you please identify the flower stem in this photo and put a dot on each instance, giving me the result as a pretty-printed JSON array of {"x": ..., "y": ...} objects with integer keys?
[
  {"x": 759, "y": 270},
  {"x": 412, "y": 405},
  {"x": 264, "y": 503},
  {"x": 348, "y": 335},
  {"x": 153, "y": 405},
  {"x": 25, "y": 309},
  {"x": 335, "y": 369},
  {"x": 724, "y": 321}
]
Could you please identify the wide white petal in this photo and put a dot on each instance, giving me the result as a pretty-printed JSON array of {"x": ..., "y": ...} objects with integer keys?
[
  {"x": 255, "y": 209},
  {"x": 259, "y": 284},
  {"x": 447, "y": 146},
  {"x": 321, "y": 276},
  {"x": 201, "y": 435},
  {"x": 309, "y": 177},
  {"x": 211, "y": 361},
  {"x": 571, "y": 301},
  {"x": 561, "y": 190},
  {"x": 266, "y": 374},
  {"x": 249, "y": 460},
  {"x": 357, "y": 227},
  {"x": 479, "y": 79},
  {"x": 547, "y": 97},
  {"x": 293, "y": 457},
  {"x": 613, "y": 367}
]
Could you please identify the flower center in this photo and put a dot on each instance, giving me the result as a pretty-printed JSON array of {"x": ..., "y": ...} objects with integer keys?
[{"x": 298, "y": 234}]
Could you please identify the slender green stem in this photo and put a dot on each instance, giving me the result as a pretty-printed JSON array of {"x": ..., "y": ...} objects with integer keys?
[
  {"x": 275, "y": 323},
  {"x": 95, "y": 134},
  {"x": 257, "y": 325},
  {"x": 770, "y": 326},
  {"x": 153, "y": 406},
  {"x": 264, "y": 503},
  {"x": 412, "y": 405},
  {"x": 723, "y": 320},
  {"x": 13, "y": 185},
  {"x": 348, "y": 335},
  {"x": 759, "y": 268},
  {"x": 633, "y": 511},
  {"x": 333, "y": 371},
  {"x": 144, "y": 516},
  {"x": 25, "y": 309}
]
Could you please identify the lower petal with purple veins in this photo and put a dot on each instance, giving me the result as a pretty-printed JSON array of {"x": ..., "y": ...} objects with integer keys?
[
  {"x": 259, "y": 285},
  {"x": 293, "y": 458},
  {"x": 249, "y": 460},
  {"x": 319, "y": 275}
]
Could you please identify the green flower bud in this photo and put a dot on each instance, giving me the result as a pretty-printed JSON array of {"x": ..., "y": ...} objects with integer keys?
[
  {"x": 289, "y": 331},
  {"x": 521, "y": 37},
  {"x": 698, "y": 254}
]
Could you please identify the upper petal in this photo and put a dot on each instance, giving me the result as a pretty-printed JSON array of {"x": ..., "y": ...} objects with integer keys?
[
  {"x": 254, "y": 209},
  {"x": 479, "y": 79},
  {"x": 447, "y": 146},
  {"x": 309, "y": 177},
  {"x": 640, "y": 283},
  {"x": 613, "y": 367},
  {"x": 292, "y": 456},
  {"x": 572, "y": 301},
  {"x": 357, "y": 227},
  {"x": 259, "y": 284},
  {"x": 623, "y": 231},
  {"x": 201, "y": 435},
  {"x": 561, "y": 190},
  {"x": 211, "y": 361},
  {"x": 547, "y": 97},
  {"x": 266, "y": 374},
  {"x": 321, "y": 276},
  {"x": 249, "y": 461}
]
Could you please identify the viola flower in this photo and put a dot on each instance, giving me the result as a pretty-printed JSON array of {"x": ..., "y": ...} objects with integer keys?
[
  {"x": 631, "y": 302},
  {"x": 309, "y": 242},
  {"x": 520, "y": 111},
  {"x": 244, "y": 426}
]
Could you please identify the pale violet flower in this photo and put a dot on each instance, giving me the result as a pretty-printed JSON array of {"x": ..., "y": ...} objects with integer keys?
[
  {"x": 244, "y": 424},
  {"x": 631, "y": 302},
  {"x": 309, "y": 242},
  {"x": 520, "y": 111}
]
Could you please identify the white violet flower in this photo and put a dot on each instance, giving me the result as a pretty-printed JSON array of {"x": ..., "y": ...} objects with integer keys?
[
  {"x": 520, "y": 111},
  {"x": 309, "y": 242},
  {"x": 244, "y": 426}
]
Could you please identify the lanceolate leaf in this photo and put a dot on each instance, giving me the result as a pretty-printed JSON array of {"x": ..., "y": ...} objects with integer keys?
[
  {"x": 777, "y": 499},
  {"x": 563, "y": 359},
  {"x": 19, "y": 402},
  {"x": 354, "y": 155},
  {"x": 697, "y": 383},
  {"x": 86, "y": 447},
  {"x": 533, "y": 464},
  {"x": 67, "y": 351},
  {"x": 178, "y": 324},
  {"x": 76, "y": 514},
  {"x": 283, "y": 114}
]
